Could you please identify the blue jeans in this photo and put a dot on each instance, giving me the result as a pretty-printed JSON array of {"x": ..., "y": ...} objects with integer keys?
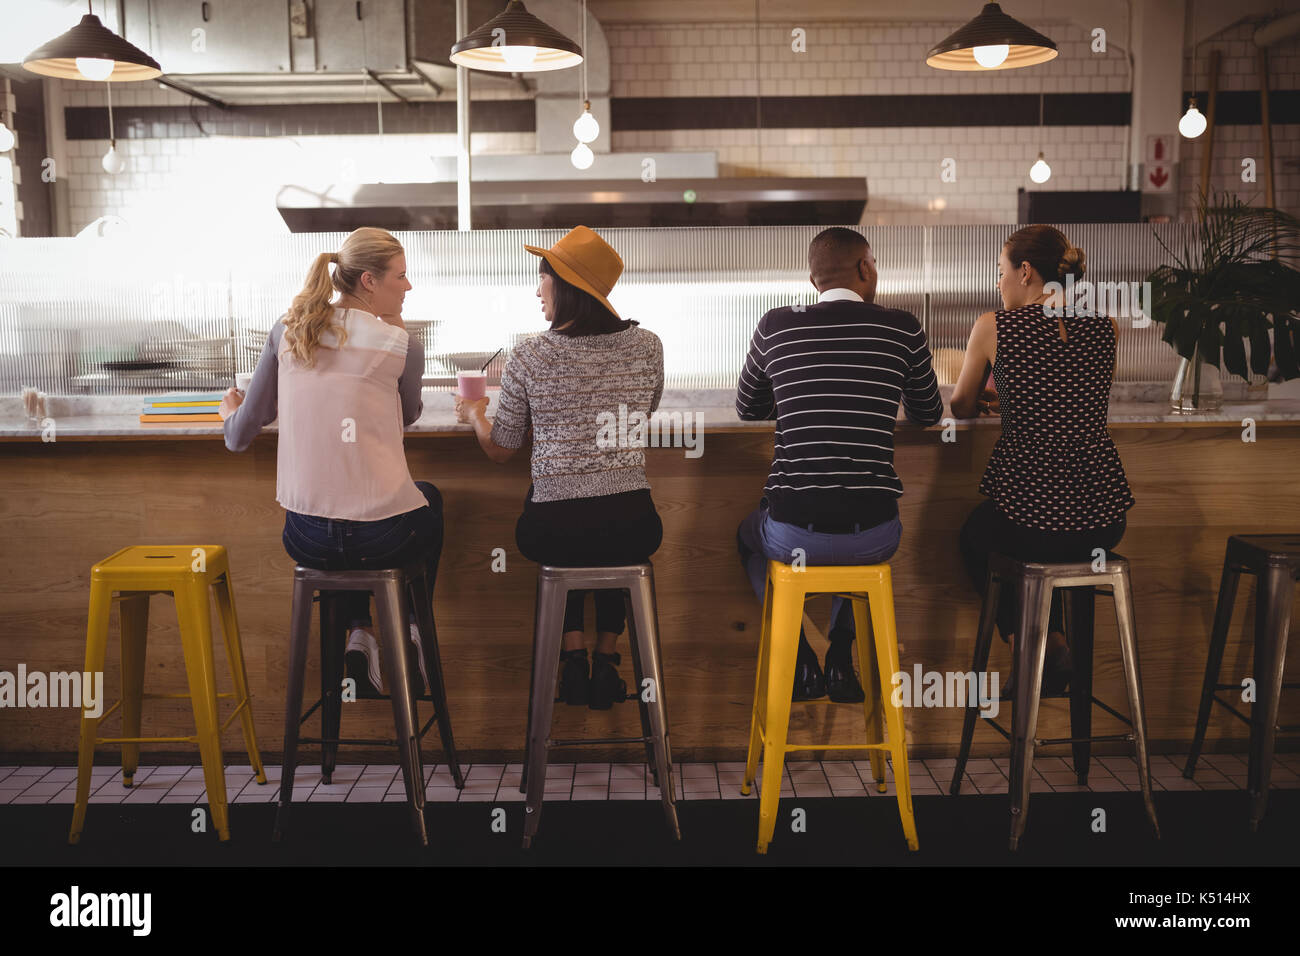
[
  {"x": 334, "y": 544},
  {"x": 761, "y": 537}
]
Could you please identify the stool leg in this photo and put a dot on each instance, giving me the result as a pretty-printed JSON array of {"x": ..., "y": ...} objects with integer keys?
[
  {"x": 1214, "y": 662},
  {"x": 133, "y": 614},
  {"x": 235, "y": 655},
  {"x": 645, "y": 615},
  {"x": 332, "y": 640},
  {"x": 1272, "y": 622},
  {"x": 101, "y": 602},
  {"x": 433, "y": 664},
  {"x": 548, "y": 633},
  {"x": 873, "y": 707},
  {"x": 1079, "y": 610},
  {"x": 393, "y": 614},
  {"x": 787, "y": 614},
  {"x": 532, "y": 690},
  {"x": 1128, "y": 649},
  {"x": 983, "y": 642},
  {"x": 638, "y": 673},
  {"x": 760, "y": 691},
  {"x": 1031, "y": 649},
  {"x": 195, "y": 616},
  {"x": 882, "y": 616},
  {"x": 299, "y": 628}
]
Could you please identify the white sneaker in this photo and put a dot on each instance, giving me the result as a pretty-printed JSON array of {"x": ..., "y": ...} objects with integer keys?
[
  {"x": 361, "y": 660},
  {"x": 419, "y": 652}
]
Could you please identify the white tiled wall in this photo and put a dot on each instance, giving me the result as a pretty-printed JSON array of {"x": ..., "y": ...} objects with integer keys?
[
  {"x": 193, "y": 176},
  {"x": 1239, "y": 70},
  {"x": 857, "y": 58}
]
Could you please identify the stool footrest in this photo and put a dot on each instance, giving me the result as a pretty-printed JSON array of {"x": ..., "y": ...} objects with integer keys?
[
  {"x": 1047, "y": 741},
  {"x": 586, "y": 741},
  {"x": 1244, "y": 718},
  {"x": 146, "y": 740},
  {"x": 355, "y": 741}
]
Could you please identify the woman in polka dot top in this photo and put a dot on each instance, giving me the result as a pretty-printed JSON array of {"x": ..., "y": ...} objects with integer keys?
[{"x": 1055, "y": 485}]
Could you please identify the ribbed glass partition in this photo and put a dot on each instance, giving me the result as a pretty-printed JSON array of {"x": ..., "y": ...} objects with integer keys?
[{"x": 129, "y": 314}]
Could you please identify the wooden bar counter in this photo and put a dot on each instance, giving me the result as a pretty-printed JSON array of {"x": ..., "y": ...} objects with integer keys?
[{"x": 106, "y": 482}]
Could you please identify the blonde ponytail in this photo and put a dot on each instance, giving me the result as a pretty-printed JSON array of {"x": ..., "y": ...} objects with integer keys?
[{"x": 312, "y": 313}]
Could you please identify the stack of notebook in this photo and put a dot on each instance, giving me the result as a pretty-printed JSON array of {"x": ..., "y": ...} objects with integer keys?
[{"x": 196, "y": 408}]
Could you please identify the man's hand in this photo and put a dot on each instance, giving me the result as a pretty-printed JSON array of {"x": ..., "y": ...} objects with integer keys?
[
  {"x": 989, "y": 403},
  {"x": 468, "y": 412},
  {"x": 229, "y": 402}
]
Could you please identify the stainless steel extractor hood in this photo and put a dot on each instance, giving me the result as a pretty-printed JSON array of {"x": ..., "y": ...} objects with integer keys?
[{"x": 551, "y": 204}]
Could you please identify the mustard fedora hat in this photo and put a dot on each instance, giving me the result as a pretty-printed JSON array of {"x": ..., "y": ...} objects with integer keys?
[{"x": 586, "y": 261}]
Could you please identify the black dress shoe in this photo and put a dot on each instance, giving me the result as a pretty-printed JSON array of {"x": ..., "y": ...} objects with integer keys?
[
  {"x": 575, "y": 684},
  {"x": 607, "y": 688},
  {"x": 841, "y": 683},
  {"x": 809, "y": 684}
]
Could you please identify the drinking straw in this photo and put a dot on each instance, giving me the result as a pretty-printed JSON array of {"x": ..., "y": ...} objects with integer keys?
[{"x": 494, "y": 355}]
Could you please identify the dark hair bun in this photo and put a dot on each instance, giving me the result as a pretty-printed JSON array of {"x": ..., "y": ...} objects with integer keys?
[{"x": 1073, "y": 263}]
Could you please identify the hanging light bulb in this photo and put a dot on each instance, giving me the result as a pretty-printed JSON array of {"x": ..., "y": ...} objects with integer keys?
[
  {"x": 94, "y": 68},
  {"x": 991, "y": 57},
  {"x": 1193, "y": 122},
  {"x": 6, "y": 138},
  {"x": 519, "y": 58},
  {"x": 113, "y": 162},
  {"x": 582, "y": 156},
  {"x": 585, "y": 128},
  {"x": 1040, "y": 172}
]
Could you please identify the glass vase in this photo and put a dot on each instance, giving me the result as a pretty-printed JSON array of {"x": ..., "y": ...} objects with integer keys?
[{"x": 1197, "y": 387}]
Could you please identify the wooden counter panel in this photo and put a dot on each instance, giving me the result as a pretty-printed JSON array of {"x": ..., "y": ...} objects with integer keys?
[{"x": 69, "y": 504}]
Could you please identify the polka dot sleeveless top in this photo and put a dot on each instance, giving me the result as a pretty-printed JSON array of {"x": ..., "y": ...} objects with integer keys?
[{"x": 1055, "y": 467}]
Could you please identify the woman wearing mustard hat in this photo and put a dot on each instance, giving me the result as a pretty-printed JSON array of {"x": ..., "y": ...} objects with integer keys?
[{"x": 589, "y": 504}]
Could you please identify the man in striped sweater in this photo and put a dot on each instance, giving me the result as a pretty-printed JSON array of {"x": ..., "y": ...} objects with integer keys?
[{"x": 832, "y": 375}]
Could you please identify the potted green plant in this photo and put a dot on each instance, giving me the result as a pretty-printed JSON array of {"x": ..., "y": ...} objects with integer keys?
[{"x": 1235, "y": 282}]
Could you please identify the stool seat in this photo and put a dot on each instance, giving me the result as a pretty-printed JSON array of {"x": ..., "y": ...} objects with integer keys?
[
  {"x": 396, "y": 592},
  {"x": 553, "y": 587},
  {"x": 1274, "y": 559},
  {"x": 870, "y": 588},
  {"x": 1036, "y": 581},
  {"x": 186, "y": 572}
]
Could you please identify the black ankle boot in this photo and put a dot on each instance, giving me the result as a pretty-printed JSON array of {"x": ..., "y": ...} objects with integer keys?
[
  {"x": 841, "y": 683},
  {"x": 607, "y": 688},
  {"x": 575, "y": 684},
  {"x": 809, "y": 683}
]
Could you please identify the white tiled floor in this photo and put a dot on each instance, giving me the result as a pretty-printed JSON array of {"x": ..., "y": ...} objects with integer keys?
[{"x": 496, "y": 782}]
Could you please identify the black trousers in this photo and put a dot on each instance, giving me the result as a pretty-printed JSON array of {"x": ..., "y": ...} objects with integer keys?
[
  {"x": 988, "y": 531},
  {"x": 604, "y": 531}
]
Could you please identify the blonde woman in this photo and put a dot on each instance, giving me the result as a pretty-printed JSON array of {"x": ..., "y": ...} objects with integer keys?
[{"x": 343, "y": 377}]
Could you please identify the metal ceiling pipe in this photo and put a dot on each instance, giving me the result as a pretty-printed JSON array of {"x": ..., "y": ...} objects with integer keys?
[
  {"x": 463, "y": 195},
  {"x": 1283, "y": 28}
]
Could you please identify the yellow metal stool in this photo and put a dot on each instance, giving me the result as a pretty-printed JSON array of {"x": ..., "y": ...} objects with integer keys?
[
  {"x": 186, "y": 572},
  {"x": 870, "y": 589}
]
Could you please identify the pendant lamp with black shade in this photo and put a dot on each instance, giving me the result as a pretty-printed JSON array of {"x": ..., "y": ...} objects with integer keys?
[
  {"x": 91, "y": 51},
  {"x": 992, "y": 41},
  {"x": 515, "y": 41}
]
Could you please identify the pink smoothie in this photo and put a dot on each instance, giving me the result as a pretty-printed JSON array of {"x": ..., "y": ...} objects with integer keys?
[{"x": 471, "y": 385}]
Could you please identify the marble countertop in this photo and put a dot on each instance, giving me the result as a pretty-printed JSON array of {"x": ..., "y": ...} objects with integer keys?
[{"x": 117, "y": 416}]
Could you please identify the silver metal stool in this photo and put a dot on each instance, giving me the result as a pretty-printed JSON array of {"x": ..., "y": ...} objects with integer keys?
[
  {"x": 1275, "y": 560},
  {"x": 396, "y": 590},
  {"x": 1036, "y": 584},
  {"x": 553, "y": 587}
]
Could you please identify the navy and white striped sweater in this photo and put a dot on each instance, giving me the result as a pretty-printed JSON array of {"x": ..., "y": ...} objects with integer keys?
[{"x": 832, "y": 377}]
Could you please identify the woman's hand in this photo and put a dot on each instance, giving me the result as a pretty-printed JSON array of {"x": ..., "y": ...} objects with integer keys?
[
  {"x": 229, "y": 402},
  {"x": 467, "y": 412},
  {"x": 988, "y": 403}
]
